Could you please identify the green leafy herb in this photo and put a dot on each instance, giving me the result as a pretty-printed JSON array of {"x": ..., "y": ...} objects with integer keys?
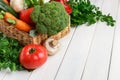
[
  {"x": 31, "y": 3},
  {"x": 9, "y": 53},
  {"x": 84, "y": 12}
]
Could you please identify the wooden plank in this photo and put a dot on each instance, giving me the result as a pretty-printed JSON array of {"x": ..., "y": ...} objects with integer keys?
[
  {"x": 115, "y": 60},
  {"x": 49, "y": 69},
  {"x": 62, "y": 64},
  {"x": 17, "y": 75},
  {"x": 74, "y": 61},
  {"x": 73, "y": 64},
  {"x": 2, "y": 74},
  {"x": 97, "y": 66}
]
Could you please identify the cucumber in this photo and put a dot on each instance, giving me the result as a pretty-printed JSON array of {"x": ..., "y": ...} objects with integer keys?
[{"x": 7, "y": 8}]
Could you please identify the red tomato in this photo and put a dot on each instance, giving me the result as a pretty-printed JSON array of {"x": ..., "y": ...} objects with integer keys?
[{"x": 32, "y": 56}]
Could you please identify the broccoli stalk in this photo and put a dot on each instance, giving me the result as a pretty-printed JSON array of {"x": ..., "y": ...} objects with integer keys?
[{"x": 50, "y": 18}]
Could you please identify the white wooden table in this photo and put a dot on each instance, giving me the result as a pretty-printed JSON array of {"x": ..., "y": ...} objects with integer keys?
[{"x": 87, "y": 53}]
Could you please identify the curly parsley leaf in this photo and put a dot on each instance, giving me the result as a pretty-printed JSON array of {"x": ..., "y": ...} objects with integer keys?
[
  {"x": 9, "y": 53},
  {"x": 84, "y": 12}
]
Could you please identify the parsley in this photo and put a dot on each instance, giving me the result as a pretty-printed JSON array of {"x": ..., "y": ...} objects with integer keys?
[
  {"x": 84, "y": 12},
  {"x": 9, "y": 53}
]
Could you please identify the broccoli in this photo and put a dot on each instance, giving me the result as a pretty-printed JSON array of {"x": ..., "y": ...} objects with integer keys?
[{"x": 50, "y": 18}]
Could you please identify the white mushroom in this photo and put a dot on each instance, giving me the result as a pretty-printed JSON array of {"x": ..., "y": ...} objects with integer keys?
[{"x": 52, "y": 46}]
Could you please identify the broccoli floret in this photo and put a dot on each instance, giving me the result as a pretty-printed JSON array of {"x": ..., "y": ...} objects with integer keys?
[{"x": 50, "y": 18}]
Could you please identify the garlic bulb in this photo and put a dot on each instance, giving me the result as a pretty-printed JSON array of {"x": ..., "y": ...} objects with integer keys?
[{"x": 17, "y": 5}]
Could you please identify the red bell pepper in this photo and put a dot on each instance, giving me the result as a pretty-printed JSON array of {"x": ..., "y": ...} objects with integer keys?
[{"x": 25, "y": 16}]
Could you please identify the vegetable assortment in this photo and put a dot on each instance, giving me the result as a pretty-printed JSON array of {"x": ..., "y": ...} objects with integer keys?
[
  {"x": 35, "y": 24},
  {"x": 12, "y": 52}
]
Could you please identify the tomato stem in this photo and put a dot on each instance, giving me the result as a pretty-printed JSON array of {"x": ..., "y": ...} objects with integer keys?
[{"x": 32, "y": 50}]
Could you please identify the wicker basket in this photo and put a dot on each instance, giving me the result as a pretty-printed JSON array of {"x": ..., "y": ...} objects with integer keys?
[{"x": 24, "y": 38}]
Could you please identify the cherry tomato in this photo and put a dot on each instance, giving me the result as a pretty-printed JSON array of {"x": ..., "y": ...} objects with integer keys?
[{"x": 32, "y": 56}]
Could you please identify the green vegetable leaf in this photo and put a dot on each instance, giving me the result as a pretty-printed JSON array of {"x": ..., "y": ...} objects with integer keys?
[
  {"x": 31, "y": 3},
  {"x": 9, "y": 53},
  {"x": 9, "y": 20},
  {"x": 1, "y": 16},
  {"x": 84, "y": 12}
]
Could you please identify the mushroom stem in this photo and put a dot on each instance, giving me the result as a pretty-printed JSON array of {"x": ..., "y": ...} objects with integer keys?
[
  {"x": 53, "y": 43},
  {"x": 52, "y": 46}
]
